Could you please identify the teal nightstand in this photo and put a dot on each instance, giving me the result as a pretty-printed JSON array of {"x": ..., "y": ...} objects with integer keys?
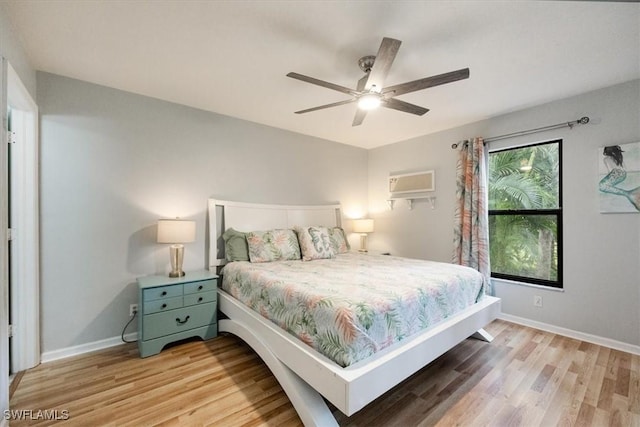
[{"x": 171, "y": 309}]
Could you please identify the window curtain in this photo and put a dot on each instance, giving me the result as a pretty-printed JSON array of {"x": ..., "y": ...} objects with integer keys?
[{"x": 471, "y": 221}]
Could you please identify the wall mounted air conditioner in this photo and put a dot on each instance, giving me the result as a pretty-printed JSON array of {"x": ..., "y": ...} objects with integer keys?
[{"x": 416, "y": 182}]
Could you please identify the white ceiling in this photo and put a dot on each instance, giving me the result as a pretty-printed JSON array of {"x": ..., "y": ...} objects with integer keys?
[{"x": 232, "y": 57}]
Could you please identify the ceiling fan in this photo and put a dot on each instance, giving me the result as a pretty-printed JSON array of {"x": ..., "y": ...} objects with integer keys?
[{"x": 370, "y": 91}]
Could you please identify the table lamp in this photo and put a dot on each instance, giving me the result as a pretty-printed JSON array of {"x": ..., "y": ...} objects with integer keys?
[
  {"x": 363, "y": 226},
  {"x": 176, "y": 231}
]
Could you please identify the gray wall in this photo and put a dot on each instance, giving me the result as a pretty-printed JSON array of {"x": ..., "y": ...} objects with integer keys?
[
  {"x": 115, "y": 162},
  {"x": 11, "y": 48},
  {"x": 112, "y": 163},
  {"x": 602, "y": 251}
]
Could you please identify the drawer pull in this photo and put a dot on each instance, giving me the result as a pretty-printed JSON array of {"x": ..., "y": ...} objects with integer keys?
[
  {"x": 200, "y": 299},
  {"x": 182, "y": 322},
  {"x": 200, "y": 287},
  {"x": 164, "y": 293},
  {"x": 164, "y": 306}
]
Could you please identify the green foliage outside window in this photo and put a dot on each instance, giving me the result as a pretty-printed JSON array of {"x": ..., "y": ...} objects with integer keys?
[{"x": 525, "y": 217}]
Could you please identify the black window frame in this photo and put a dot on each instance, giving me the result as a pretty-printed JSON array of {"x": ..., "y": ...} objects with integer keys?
[{"x": 557, "y": 212}]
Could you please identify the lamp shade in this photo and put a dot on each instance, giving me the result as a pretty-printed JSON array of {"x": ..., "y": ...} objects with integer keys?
[
  {"x": 176, "y": 231},
  {"x": 364, "y": 225}
]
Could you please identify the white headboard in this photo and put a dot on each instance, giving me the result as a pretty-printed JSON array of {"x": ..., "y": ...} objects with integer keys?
[{"x": 252, "y": 216}]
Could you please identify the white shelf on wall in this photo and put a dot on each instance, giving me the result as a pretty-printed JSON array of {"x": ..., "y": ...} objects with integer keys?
[{"x": 409, "y": 199}]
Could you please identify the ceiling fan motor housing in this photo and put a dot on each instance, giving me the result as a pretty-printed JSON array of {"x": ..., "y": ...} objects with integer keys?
[{"x": 366, "y": 63}]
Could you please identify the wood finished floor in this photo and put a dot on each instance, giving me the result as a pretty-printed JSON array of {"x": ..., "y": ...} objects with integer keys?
[{"x": 525, "y": 377}]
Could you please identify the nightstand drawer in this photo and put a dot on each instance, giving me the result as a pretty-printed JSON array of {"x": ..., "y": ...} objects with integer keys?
[
  {"x": 182, "y": 319},
  {"x": 203, "y": 286},
  {"x": 162, "y": 292},
  {"x": 162, "y": 305},
  {"x": 200, "y": 298}
]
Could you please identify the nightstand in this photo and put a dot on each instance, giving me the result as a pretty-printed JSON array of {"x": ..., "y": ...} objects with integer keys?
[{"x": 171, "y": 309}]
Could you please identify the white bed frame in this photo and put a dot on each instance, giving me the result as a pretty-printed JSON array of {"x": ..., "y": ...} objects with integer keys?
[{"x": 306, "y": 375}]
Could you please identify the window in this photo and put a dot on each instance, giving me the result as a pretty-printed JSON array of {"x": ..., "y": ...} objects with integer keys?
[{"x": 525, "y": 213}]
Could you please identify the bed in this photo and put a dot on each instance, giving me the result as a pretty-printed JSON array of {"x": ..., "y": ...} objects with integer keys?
[{"x": 352, "y": 377}]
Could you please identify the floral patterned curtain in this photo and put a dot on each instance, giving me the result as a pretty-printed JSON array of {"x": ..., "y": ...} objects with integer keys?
[{"x": 471, "y": 221}]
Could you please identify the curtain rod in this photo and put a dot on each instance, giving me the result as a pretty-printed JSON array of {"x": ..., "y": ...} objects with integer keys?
[{"x": 580, "y": 121}]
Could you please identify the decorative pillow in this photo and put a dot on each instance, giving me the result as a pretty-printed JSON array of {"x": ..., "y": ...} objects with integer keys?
[
  {"x": 315, "y": 243},
  {"x": 339, "y": 240},
  {"x": 273, "y": 245},
  {"x": 235, "y": 245}
]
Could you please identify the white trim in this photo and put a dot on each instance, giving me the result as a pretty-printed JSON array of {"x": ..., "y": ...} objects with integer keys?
[
  {"x": 25, "y": 259},
  {"x": 530, "y": 285},
  {"x": 274, "y": 207},
  {"x": 77, "y": 350},
  {"x": 570, "y": 333}
]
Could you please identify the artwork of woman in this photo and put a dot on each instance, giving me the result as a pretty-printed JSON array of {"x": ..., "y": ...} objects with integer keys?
[{"x": 617, "y": 180}]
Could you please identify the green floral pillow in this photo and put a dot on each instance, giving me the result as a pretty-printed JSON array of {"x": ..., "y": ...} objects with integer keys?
[
  {"x": 315, "y": 243},
  {"x": 273, "y": 245},
  {"x": 339, "y": 240}
]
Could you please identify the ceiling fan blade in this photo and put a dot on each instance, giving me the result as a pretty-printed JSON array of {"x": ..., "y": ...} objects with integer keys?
[
  {"x": 362, "y": 82},
  {"x": 359, "y": 117},
  {"x": 405, "y": 107},
  {"x": 386, "y": 54},
  {"x": 322, "y": 83},
  {"x": 322, "y": 107},
  {"x": 427, "y": 82}
]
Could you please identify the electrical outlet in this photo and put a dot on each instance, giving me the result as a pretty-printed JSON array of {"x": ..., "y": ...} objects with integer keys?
[
  {"x": 133, "y": 309},
  {"x": 537, "y": 301}
]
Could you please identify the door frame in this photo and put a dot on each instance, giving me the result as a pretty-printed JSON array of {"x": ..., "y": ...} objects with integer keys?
[
  {"x": 25, "y": 248},
  {"x": 4, "y": 247}
]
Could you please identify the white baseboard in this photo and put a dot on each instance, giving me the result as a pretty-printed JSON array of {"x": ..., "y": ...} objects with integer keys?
[
  {"x": 76, "y": 350},
  {"x": 594, "y": 339}
]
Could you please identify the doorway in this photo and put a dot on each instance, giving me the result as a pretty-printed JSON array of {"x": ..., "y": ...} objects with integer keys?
[{"x": 23, "y": 219}]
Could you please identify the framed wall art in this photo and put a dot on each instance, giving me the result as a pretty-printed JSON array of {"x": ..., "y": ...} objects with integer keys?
[{"x": 619, "y": 178}]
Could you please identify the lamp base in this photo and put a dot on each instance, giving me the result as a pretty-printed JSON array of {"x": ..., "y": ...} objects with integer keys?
[
  {"x": 363, "y": 243},
  {"x": 176, "y": 253}
]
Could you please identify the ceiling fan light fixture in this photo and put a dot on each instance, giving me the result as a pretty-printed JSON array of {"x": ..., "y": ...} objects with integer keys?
[{"x": 369, "y": 101}]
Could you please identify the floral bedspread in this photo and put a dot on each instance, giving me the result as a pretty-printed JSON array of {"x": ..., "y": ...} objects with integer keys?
[{"x": 354, "y": 305}]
